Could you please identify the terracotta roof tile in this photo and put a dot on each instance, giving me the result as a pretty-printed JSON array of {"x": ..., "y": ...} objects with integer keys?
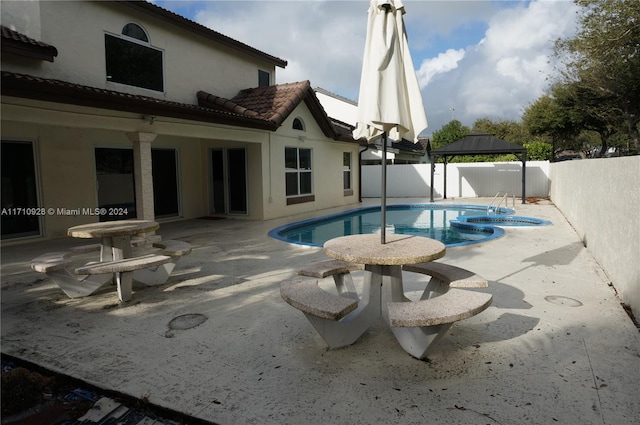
[
  {"x": 31, "y": 87},
  {"x": 264, "y": 107},
  {"x": 17, "y": 43},
  {"x": 274, "y": 103}
]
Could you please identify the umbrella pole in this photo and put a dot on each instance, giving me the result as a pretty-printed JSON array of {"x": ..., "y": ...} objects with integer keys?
[{"x": 383, "y": 197}]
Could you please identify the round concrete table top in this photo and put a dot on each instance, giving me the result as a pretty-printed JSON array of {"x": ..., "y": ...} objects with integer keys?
[
  {"x": 112, "y": 228},
  {"x": 398, "y": 249}
]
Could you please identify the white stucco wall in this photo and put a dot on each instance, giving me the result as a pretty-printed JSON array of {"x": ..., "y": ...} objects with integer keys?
[
  {"x": 601, "y": 199},
  {"x": 327, "y": 176},
  {"x": 191, "y": 62},
  {"x": 339, "y": 109},
  {"x": 464, "y": 180}
]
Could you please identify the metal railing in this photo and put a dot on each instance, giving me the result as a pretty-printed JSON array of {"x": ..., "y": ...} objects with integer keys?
[{"x": 504, "y": 198}]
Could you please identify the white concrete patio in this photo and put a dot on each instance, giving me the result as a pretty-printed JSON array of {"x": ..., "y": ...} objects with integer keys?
[{"x": 555, "y": 346}]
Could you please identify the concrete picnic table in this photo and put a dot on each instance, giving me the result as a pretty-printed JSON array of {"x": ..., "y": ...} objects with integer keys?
[
  {"x": 383, "y": 262},
  {"x": 115, "y": 236},
  {"x": 341, "y": 319}
]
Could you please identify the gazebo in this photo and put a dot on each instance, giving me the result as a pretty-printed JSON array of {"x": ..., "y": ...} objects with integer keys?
[{"x": 477, "y": 144}]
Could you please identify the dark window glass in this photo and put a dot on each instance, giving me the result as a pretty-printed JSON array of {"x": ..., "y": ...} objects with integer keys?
[
  {"x": 305, "y": 159},
  {"x": 133, "y": 64},
  {"x": 19, "y": 190},
  {"x": 264, "y": 79},
  {"x": 165, "y": 182},
  {"x": 135, "y": 31},
  {"x": 305, "y": 183},
  {"x": 237, "y": 180},
  {"x": 298, "y": 124},
  {"x": 346, "y": 170},
  {"x": 116, "y": 182},
  {"x": 291, "y": 158},
  {"x": 292, "y": 184}
]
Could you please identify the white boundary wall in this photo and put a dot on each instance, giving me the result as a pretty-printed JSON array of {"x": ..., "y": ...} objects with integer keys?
[
  {"x": 601, "y": 199},
  {"x": 465, "y": 180}
]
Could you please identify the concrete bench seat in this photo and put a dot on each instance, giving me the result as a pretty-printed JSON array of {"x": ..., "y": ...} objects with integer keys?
[
  {"x": 303, "y": 293},
  {"x": 419, "y": 324},
  {"x": 454, "y": 305},
  {"x": 339, "y": 270},
  {"x": 83, "y": 249},
  {"x": 322, "y": 269},
  {"x": 124, "y": 265},
  {"x": 51, "y": 262},
  {"x": 445, "y": 276},
  {"x": 173, "y": 248},
  {"x": 57, "y": 266},
  {"x": 123, "y": 270}
]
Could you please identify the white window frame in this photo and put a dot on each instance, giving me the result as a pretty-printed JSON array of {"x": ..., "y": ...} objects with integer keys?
[
  {"x": 347, "y": 175},
  {"x": 299, "y": 171}
]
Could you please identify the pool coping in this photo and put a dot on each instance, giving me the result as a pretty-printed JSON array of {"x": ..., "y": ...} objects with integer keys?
[{"x": 494, "y": 230}]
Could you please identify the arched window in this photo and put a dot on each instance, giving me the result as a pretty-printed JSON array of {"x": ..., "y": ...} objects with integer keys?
[
  {"x": 132, "y": 60},
  {"x": 298, "y": 124},
  {"x": 135, "y": 31}
]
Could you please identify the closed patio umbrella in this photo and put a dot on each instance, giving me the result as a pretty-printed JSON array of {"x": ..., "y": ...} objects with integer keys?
[{"x": 389, "y": 103}]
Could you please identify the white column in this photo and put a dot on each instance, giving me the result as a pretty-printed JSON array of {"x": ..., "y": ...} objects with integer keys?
[{"x": 143, "y": 173}]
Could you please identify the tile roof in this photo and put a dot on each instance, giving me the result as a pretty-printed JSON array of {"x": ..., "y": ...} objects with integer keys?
[
  {"x": 479, "y": 144},
  {"x": 408, "y": 146},
  {"x": 20, "y": 44},
  {"x": 275, "y": 104},
  {"x": 31, "y": 87},
  {"x": 264, "y": 108}
]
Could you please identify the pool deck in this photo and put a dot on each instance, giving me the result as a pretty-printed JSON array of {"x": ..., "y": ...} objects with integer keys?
[{"x": 555, "y": 347}]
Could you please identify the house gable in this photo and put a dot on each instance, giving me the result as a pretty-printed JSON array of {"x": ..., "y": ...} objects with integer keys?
[{"x": 275, "y": 104}]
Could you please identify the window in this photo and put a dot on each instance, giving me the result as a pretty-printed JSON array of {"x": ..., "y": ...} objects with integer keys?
[
  {"x": 21, "y": 215},
  {"x": 116, "y": 182},
  {"x": 346, "y": 172},
  {"x": 298, "y": 124},
  {"x": 298, "y": 173},
  {"x": 135, "y": 31},
  {"x": 164, "y": 163},
  {"x": 264, "y": 78},
  {"x": 131, "y": 60}
]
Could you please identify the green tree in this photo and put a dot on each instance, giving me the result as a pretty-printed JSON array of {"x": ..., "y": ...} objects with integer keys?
[
  {"x": 590, "y": 109},
  {"x": 510, "y": 131},
  {"x": 603, "y": 65},
  {"x": 449, "y": 133},
  {"x": 539, "y": 151},
  {"x": 547, "y": 118}
]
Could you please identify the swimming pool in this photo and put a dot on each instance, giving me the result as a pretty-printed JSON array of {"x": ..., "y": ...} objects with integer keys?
[{"x": 452, "y": 224}]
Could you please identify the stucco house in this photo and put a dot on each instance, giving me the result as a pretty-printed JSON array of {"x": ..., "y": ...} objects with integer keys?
[
  {"x": 345, "y": 111},
  {"x": 122, "y": 109}
]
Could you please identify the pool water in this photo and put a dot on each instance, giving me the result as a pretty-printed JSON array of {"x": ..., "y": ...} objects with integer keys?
[{"x": 451, "y": 224}]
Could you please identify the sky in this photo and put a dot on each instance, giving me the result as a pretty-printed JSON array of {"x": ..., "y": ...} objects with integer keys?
[{"x": 474, "y": 59}]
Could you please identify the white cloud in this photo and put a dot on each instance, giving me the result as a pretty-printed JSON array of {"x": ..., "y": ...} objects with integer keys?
[
  {"x": 506, "y": 70},
  {"x": 441, "y": 64},
  {"x": 483, "y": 58},
  {"x": 322, "y": 41}
]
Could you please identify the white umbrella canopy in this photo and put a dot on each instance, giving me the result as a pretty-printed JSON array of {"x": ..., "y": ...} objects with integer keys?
[
  {"x": 390, "y": 103},
  {"x": 389, "y": 99}
]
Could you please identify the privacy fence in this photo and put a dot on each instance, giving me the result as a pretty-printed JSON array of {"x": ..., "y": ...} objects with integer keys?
[
  {"x": 601, "y": 200},
  {"x": 464, "y": 180}
]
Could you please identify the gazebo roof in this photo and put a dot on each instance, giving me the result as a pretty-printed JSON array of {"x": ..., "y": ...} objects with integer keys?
[{"x": 478, "y": 144}]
